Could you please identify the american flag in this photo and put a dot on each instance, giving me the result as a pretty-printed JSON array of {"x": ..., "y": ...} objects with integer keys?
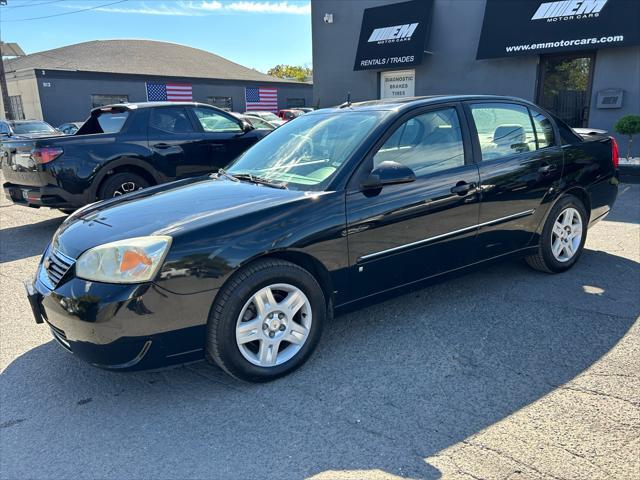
[
  {"x": 261, "y": 98},
  {"x": 172, "y": 92}
]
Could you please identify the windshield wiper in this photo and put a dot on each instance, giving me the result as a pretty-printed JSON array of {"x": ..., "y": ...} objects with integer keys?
[
  {"x": 222, "y": 172},
  {"x": 259, "y": 180}
]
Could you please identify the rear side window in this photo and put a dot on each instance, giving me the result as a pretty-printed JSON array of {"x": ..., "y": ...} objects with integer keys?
[
  {"x": 170, "y": 120},
  {"x": 504, "y": 129},
  {"x": 544, "y": 129},
  {"x": 112, "y": 122},
  {"x": 426, "y": 143}
]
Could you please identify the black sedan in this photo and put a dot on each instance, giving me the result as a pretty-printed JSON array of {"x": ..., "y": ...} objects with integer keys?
[{"x": 343, "y": 205}]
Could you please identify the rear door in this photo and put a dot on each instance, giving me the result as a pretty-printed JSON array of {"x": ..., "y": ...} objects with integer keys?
[
  {"x": 173, "y": 139},
  {"x": 520, "y": 163},
  {"x": 403, "y": 233},
  {"x": 222, "y": 139}
]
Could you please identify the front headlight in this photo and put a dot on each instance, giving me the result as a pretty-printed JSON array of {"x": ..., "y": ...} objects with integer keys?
[{"x": 134, "y": 260}]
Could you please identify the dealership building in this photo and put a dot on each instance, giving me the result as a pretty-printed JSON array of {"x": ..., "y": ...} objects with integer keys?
[
  {"x": 64, "y": 84},
  {"x": 579, "y": 59}
]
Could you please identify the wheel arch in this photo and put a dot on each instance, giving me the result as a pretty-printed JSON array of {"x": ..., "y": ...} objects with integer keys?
[
  {"x": 581, "y": 194},
  {"x": 127, "y": 164},
  {"x": 304, "y": 260}
]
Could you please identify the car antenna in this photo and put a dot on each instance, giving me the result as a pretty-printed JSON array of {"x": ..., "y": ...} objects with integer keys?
[{"x": 348, "y": 102}]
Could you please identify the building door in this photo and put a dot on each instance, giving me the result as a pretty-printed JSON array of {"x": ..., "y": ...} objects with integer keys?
[{"x": 565, "y": 86}]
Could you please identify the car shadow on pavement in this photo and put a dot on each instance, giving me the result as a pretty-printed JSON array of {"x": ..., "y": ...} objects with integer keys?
[
  {"x": 388, "y": 387},
  {"x": 26, "y": 241}
]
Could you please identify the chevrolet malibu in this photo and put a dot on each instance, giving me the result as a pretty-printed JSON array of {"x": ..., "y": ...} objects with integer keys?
[{"x": 339, "y": 207}]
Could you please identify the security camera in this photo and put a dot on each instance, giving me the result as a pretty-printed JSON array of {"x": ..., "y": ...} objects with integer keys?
[{"x": 328, "y": 18}]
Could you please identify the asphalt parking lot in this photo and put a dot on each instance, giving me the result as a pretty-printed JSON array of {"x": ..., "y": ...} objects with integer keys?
[{"x": 501, "y": 373}]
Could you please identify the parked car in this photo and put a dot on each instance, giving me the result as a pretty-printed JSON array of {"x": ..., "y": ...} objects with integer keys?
[
  {"x": 289, "y": 114},
  {"x": 25, "y": 129},
  {"x": 343, "y": 205},
  {"x": 305, "y": 109},
  {"x": 122, "y": 148},
  {"x": 70, "y": 128},
  {"x": 256, "y": 122},
  {"x": 268, "y": 116}
]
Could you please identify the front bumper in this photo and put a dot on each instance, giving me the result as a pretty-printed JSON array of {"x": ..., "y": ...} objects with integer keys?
[{"x": 122, "y": 327}]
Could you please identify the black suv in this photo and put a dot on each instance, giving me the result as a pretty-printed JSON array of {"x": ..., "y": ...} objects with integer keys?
[{"x": 122, "y": 148}]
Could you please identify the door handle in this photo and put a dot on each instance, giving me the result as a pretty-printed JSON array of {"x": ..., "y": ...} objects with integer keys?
[
  {"x": 547, "y": 169},
  {"x": 462, "y": 188},
  {"x": 161, "y": 146}
]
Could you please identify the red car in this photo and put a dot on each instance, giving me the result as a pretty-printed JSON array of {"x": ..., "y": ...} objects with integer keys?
[{"x": 289, "y": 114}]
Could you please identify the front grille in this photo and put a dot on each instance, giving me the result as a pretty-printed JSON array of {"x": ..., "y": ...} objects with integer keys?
[{"x": 57, "y": 266}]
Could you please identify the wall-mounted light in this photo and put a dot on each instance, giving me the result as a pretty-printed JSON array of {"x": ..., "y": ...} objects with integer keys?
[{"x": 328, "y": 18}]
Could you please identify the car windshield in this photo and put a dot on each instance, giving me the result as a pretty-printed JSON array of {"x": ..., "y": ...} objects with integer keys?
[
  {"x": 266, "y": 115},
  {"x": 306, "y": 154},
  {"x": 32, "y": 127}
]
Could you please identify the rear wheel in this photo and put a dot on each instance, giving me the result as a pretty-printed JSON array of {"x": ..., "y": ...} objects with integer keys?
[
  {"x": 266, "y": 321},
  {"x": 563, "y": 237},
  {"x": 121, "y": 183}
]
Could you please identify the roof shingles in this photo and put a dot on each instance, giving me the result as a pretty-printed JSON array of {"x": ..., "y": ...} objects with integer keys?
[{"x": 138, "y": 57}]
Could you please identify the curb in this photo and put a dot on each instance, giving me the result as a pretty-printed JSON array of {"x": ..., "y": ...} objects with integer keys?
[{"x": 629, "y": 173}]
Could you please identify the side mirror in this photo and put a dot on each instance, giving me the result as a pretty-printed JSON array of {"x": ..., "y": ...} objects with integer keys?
[
  {"x": 388, "y": 173},
  {"x": 246, "y": 126}
]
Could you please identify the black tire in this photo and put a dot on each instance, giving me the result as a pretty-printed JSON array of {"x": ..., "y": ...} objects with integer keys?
[
  {"x": 221, "y": 346},
  {"x": 544, "y": 260},
  {"x": 113, "y": 185}
]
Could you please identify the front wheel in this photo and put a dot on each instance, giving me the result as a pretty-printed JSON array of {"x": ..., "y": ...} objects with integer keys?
[
  {"x": 563, "y": 237},
  {"x": 266, "y": 321}
]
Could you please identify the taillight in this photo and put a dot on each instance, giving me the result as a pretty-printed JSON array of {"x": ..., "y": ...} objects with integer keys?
[
  {"x": 46, "y": 154},
  {"x": 614, "y": 152}
]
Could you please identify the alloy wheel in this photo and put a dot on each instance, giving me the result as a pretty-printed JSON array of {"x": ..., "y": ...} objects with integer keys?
[
  {"x": 566, "y": 235},
  {"x": 126, "y": 187},
  {"x": 273, "y": 325}
]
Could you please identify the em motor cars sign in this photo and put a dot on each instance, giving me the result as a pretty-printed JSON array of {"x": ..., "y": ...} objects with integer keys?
[
  {"x": 393, "y": 36},
  {"x": 398, "y": 84},
  {"x": 533, "y": 27}
]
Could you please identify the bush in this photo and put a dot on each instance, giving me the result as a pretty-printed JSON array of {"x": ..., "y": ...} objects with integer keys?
[{"x": 628, "y": 125}]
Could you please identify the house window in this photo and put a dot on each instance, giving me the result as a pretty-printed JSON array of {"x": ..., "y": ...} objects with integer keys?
[
  {"x": 295, "y": 102},
  {"x": 100, "y": 99},
  {"x": 15, "y": 104},
  {"x": 225, "y": 103}
]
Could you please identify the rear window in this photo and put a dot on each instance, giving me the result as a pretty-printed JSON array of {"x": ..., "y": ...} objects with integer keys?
[
  {"x": 112, "y": 122},
  {"x": 104, "y": 122},
  {"x": 32, "y": 127}
]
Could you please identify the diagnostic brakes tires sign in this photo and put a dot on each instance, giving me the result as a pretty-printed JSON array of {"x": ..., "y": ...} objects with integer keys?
[
  {"x": 532, "y": 27},
  {"x": 393, "y": 36}
]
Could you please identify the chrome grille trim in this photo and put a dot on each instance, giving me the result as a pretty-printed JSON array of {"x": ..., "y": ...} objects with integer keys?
[{"x": 57, "y": 265}]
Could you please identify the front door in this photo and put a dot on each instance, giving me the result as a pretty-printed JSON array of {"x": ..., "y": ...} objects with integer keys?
[
  {"x": 222, "y": 139},
  {"x": 520, "y": 163},
  {"x": 564, "y": 88},
  {"x": 403, "y": 233}
]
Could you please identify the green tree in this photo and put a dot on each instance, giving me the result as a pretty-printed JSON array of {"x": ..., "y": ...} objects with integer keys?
[
  {"x": 290, "y": 71},
  {"x": 628, "y": 125}
]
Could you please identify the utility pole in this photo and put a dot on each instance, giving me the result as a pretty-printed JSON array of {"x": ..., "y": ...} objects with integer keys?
[{"x": 8, "y": 50}]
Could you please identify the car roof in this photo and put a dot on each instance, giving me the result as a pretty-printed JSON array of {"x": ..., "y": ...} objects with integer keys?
[
  {"x": 139, "y": 105},
  {"x": 407, "y": 103}
]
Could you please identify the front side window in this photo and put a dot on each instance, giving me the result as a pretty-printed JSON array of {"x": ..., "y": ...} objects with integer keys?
[
  {"x": 544, "y": 129},
  {"x": 426, "y": 143},
  {"x": 213, "y": 121},
  {"x": 504, "y": 129},
  {"x": 170, "y": 120},
  {"x": 307, "y": 153}
]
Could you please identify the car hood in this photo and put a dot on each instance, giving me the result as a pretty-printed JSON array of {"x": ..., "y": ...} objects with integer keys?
[{"x": 168, "y": 209}]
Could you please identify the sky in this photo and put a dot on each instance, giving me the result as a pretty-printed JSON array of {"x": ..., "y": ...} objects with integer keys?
[{"x": 255, "y": 33}]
